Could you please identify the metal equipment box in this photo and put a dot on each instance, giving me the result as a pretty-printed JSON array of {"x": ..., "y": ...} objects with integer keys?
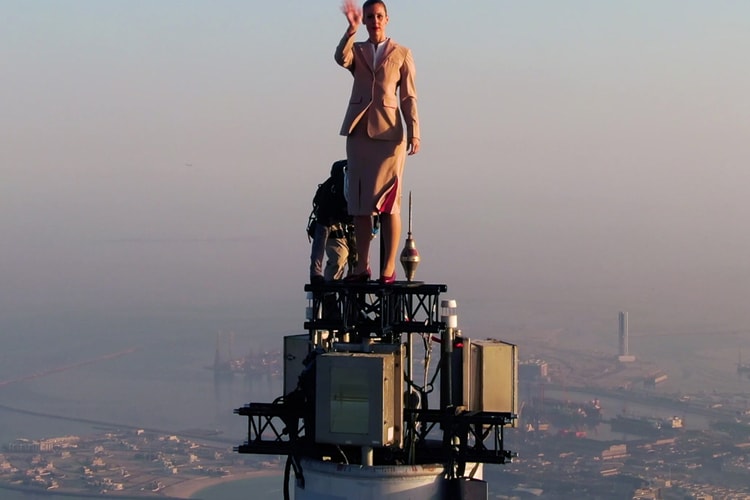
[
  {"x": 491, "y": 377},
  {"x": 356, "y": 396},
  {"x": 296, "y": 349}
]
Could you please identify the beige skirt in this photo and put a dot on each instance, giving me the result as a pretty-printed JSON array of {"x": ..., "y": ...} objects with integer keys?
[{"x": 375, "y": 169}]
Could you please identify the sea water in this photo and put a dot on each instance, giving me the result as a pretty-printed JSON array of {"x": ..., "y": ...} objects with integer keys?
[
  {"x": 262, "y": 488},
  {"x": 64, "y": 371}
]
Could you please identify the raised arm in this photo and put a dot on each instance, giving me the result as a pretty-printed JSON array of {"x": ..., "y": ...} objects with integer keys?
[
  {"x": 344, "y": 55},
  {"x": 353, "y": 14}
]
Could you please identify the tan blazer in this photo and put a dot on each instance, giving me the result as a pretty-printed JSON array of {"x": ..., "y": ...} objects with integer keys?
[{"x": 375, "y": 89}]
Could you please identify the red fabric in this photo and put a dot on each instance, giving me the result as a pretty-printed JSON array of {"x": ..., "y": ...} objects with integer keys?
[{"x": 388, "y": 200}]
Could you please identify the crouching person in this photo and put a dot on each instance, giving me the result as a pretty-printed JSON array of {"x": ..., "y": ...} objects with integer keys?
[{"x": 330, "y": 229}]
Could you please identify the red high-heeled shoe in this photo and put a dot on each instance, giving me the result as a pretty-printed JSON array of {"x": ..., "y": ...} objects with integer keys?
[
  {"x": 362, "y": 277},
  {"x": 388, "y": 280}
]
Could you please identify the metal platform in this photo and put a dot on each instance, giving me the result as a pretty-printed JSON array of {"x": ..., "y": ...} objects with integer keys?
[
  {"x": 372, "y": 310},
  {"x": 382, "y": 314},
  {"x": 279, "y": 429}
]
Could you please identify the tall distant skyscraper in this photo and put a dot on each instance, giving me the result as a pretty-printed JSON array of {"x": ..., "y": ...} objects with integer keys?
[{"x": 624, "y": 356}]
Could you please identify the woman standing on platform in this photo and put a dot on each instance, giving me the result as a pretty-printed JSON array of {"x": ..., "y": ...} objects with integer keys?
[{"x": 383, "y": 91}]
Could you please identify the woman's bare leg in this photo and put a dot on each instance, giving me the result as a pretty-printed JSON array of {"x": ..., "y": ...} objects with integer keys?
[
  {"x": 390, "y": 230},
  {"x": 363, "y": 232}
]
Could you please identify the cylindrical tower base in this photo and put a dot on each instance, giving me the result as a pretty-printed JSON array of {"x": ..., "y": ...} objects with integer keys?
[{"x": 332, "y": 481}]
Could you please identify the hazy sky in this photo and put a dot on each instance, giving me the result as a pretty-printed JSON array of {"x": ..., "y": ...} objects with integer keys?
[{"x": 578, "y": 158}]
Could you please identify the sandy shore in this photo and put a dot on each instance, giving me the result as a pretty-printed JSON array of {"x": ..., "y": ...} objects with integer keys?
[{"x": 189, "y": 487}]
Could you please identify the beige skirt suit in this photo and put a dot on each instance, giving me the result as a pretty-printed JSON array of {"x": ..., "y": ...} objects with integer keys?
[{"x": 383, "y": 99}]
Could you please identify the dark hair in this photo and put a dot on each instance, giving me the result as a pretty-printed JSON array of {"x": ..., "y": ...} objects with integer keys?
[{"x": 370, "y": 3}]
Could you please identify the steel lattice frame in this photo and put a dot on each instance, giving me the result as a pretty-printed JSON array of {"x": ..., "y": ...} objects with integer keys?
[
  {"x": 370, "y": 310},
  {"x": 373, "y": 310}
]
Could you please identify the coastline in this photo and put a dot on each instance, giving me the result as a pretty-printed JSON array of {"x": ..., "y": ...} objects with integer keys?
[
  {"x": 27, "y": 490},
  {"x": 184, "y": 489},
  {"x": 189, "y": 487}
]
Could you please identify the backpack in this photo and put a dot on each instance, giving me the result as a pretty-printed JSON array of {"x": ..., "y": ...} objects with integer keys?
[{"x": 329, "y": 202}]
